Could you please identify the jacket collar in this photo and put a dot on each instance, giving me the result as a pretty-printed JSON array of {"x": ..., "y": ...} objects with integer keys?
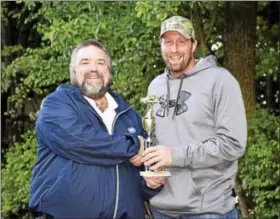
[{"x": 122, "y": 104}]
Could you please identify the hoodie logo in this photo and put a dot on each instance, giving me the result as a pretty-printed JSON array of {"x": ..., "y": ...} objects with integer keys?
[
  {"x": 131, "y": 130},
  {"x": 180, "y": 108}
]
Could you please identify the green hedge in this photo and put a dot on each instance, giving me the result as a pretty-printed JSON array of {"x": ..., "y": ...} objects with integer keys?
[
  {"x": 259, "y": 169},
  {"x": 16, "y": 177}
]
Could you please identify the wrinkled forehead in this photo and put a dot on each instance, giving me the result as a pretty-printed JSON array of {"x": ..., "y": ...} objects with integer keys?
[{"x": 91, "y": 53}]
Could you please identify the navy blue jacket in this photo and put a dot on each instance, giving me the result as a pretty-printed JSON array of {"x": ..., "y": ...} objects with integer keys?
[{"x": 82, "y": 171}]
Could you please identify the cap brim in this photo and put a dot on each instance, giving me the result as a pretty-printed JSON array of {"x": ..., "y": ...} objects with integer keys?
[{"x": 176, "y": 30}]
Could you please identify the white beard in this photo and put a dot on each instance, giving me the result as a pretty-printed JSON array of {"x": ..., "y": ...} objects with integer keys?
[{"x": 93, "y": 91}]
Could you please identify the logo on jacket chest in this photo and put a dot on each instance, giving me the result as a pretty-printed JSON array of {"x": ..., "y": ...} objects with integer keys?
[
  {"x": 180, "y": 107},
  {"x": 131, "y": 130}
]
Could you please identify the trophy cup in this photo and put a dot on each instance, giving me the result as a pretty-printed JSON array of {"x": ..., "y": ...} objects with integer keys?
[{"x": 149, "y": 124}]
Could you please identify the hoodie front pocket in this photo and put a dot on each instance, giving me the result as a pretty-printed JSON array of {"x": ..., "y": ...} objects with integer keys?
[
  {"x": 179, "y": 193},
  {"x": 205, "y": 178}
]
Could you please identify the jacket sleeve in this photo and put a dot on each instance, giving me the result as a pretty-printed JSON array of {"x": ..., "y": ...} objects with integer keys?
[
  {"x": 229, "y": 142},
  {"x": 69, "y": 135}
]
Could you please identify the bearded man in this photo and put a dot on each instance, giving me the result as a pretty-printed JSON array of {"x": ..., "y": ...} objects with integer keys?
[{"x": 89, "y": 144}]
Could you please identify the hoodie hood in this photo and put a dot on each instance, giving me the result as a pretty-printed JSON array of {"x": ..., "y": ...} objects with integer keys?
[{"x": 201, "y": 65}]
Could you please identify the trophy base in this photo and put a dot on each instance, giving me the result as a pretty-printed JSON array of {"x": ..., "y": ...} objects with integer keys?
[{"x": 151, "y": 173}]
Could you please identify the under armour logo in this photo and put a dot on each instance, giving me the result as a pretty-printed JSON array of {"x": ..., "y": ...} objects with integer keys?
[{"x": 181, "y": 104}]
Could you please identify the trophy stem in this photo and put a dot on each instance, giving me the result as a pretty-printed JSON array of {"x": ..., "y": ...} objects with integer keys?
[{"x": 148, "y": 143}]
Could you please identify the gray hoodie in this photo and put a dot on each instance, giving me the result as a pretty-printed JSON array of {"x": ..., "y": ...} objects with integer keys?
[{"x": 201, "y": 116}]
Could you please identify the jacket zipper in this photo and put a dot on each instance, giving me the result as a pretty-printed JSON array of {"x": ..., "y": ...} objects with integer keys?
[
  {"x": 117, "y": 169},
  {"x": 117, "y": 166}
]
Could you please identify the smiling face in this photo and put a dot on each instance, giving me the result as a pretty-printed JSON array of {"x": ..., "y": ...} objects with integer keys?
[
  {"x": 178, "y": 52},
  {"x": 92, "y": 73}
]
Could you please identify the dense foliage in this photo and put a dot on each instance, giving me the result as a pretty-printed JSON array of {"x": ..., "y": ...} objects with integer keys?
[
  {"x": 260, "y": 168},
  {"x": 130, "y": 31},
  {"x": 16, "y": 176}
]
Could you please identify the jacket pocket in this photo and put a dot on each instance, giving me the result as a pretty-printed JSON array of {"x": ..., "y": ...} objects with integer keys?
[
  {"x": 57, "y": 191},
  {"x": 80, "y": 191}
]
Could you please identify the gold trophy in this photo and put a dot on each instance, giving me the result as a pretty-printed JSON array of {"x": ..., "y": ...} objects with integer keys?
[{"x": 149, "y": 124}]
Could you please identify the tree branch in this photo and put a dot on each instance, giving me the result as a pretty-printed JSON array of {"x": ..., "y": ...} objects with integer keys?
[{"x": 213, "y": 19}]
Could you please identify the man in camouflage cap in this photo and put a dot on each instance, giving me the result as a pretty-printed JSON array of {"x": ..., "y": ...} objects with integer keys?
[{"x": 200, "y": 128}]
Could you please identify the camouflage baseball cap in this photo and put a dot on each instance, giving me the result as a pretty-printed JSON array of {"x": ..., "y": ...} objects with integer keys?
[{"x": 180, "y": 24}]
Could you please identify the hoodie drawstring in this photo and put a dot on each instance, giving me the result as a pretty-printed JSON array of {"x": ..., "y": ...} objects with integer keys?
[
  {"x": 168, "y": 73},
  {"x": 168, "y": 93},
  {"x": 178, "y": 94}
]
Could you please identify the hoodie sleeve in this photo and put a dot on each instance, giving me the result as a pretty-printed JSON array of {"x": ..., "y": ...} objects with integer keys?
[
  {"x": 229, "y": 142},
  {"x": 67, "y": 134}
]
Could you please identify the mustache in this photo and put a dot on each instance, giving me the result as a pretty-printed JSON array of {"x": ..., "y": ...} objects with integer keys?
[{"x": 94, "y": 74}]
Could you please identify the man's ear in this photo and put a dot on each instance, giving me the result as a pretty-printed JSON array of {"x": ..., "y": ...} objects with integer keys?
[
  {"x": 194, "y": 46},
  {"x": 71, "y": 68}
]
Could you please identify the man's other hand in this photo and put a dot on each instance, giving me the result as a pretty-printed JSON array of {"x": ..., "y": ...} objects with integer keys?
[{"x": 154, "y": 182}]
